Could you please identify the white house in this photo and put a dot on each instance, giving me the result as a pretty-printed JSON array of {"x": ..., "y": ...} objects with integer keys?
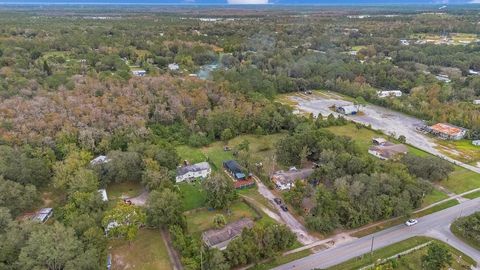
[
  {"x": 103, "y": 192},
  {"x": 389, "y": 93},
  {"x": 199, "y": 170},
  {"x": 476, "y": 142},
  {"x": 173, "y": 67},
  {"x": 476, "y": 102},
  {"x": 139, "y": 73},
  {"x": 99, "y": 160}
]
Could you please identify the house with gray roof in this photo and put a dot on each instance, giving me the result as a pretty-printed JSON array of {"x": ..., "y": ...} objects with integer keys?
[
  {"x": 219, "y": 238},
  {"x": 286, "y": 179},
  {"x": 189, "y": 172}
]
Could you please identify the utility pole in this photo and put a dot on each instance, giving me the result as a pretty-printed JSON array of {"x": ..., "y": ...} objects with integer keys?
[{"x": 371, "y": 248}]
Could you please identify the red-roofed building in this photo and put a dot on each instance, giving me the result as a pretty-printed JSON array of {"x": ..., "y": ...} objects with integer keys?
[{"x": 447, "y": 131}]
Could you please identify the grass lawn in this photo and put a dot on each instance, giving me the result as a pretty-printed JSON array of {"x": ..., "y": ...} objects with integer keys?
[
  {"x": 410, "y": 261},
  {"x": 202, "y": 219},
  {"x": 193, "y": 155},
  {"x": 261, "y": 149},
  {"x": 117, "y": 191},
  {"x": 472, "y": 195},
  {"x": 146, "y": 252},
  {"x": 193, "y": 195},
  {"x": 461, "y": 180}
]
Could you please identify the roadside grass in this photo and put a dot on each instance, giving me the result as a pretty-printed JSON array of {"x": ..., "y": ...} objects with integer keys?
[
  {"x": 462, "y": 150},
  {"x": 434, "y": 197},
  {"x": 279, "y": 260},
  {"x": 461, "y": 180},
  {"x": 436, "y": 208},
  {"x": 200, "y": 220},
  {"x": 146, "y": 252},
  {"x": 379, "y": 227},
  {"x": 117, "y": 191},
  {"x": 409, "y": 261},
  {"x": 472, "y": 195},
  {"x": 193, "y": 196}
]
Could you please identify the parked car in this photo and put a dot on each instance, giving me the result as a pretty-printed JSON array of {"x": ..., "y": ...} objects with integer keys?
[
  {"x": 411, "y": 222},
  {"x": 277, "y": 201},
  {"x": 284, "y": 207}
]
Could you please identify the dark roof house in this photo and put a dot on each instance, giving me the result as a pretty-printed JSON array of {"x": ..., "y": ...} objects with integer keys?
[{"x": 234, "y": 168}]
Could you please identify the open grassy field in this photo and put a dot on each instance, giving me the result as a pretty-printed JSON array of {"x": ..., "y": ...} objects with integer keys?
[
  {"x": 146, "y": 252},
  {"x": 462, "y": 150},
  {"x": 261, "y": 147},
  {"x": 461, "y": 180},
  {"x": 192, "y": 194},
  {"x": 117, "y": 191},
  {"x": 409, "y": 261}
]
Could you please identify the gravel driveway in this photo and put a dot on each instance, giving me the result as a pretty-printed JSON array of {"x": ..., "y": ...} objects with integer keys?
[{"x": 295, "y": 226}]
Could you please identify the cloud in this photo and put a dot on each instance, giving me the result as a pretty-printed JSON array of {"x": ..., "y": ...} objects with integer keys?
[
  {"x": 475, "y": 2},
  {"x": 247, "y": 2}
]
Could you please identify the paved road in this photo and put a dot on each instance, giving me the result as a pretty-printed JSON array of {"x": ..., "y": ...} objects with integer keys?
[
  {"x": 435, "y": 225},
  {"x": 302, "y": 234},
  {"x": 379, "y": 118}
]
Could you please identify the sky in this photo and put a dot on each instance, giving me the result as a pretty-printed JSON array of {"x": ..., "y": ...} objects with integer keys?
[{"x": 237, "y": 2}]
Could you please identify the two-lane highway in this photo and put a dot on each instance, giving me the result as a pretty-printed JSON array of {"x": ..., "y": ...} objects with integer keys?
[{"x": 434, "y": 225}]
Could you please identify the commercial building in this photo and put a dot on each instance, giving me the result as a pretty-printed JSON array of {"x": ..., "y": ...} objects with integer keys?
[{"x": 447, "y": 131}]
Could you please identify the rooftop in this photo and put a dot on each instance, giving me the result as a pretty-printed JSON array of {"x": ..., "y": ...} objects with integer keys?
[
  {"x": 389, "y": 150},
  {"x": 220, "y": 237},
  {"x": 193, "y": 168},
  {"x": 447, "y": 129},
  {"x": 290, "y": 176}
]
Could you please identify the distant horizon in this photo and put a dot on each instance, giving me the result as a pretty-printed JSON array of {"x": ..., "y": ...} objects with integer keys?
[{"x": 244, "y": 2}]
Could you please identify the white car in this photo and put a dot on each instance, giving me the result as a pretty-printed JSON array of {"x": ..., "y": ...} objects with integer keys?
[{"x": 411, "y": 222}]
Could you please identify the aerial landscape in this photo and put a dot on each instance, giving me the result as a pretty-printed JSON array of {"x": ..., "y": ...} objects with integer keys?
[{"x": 239, "y": 134}]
